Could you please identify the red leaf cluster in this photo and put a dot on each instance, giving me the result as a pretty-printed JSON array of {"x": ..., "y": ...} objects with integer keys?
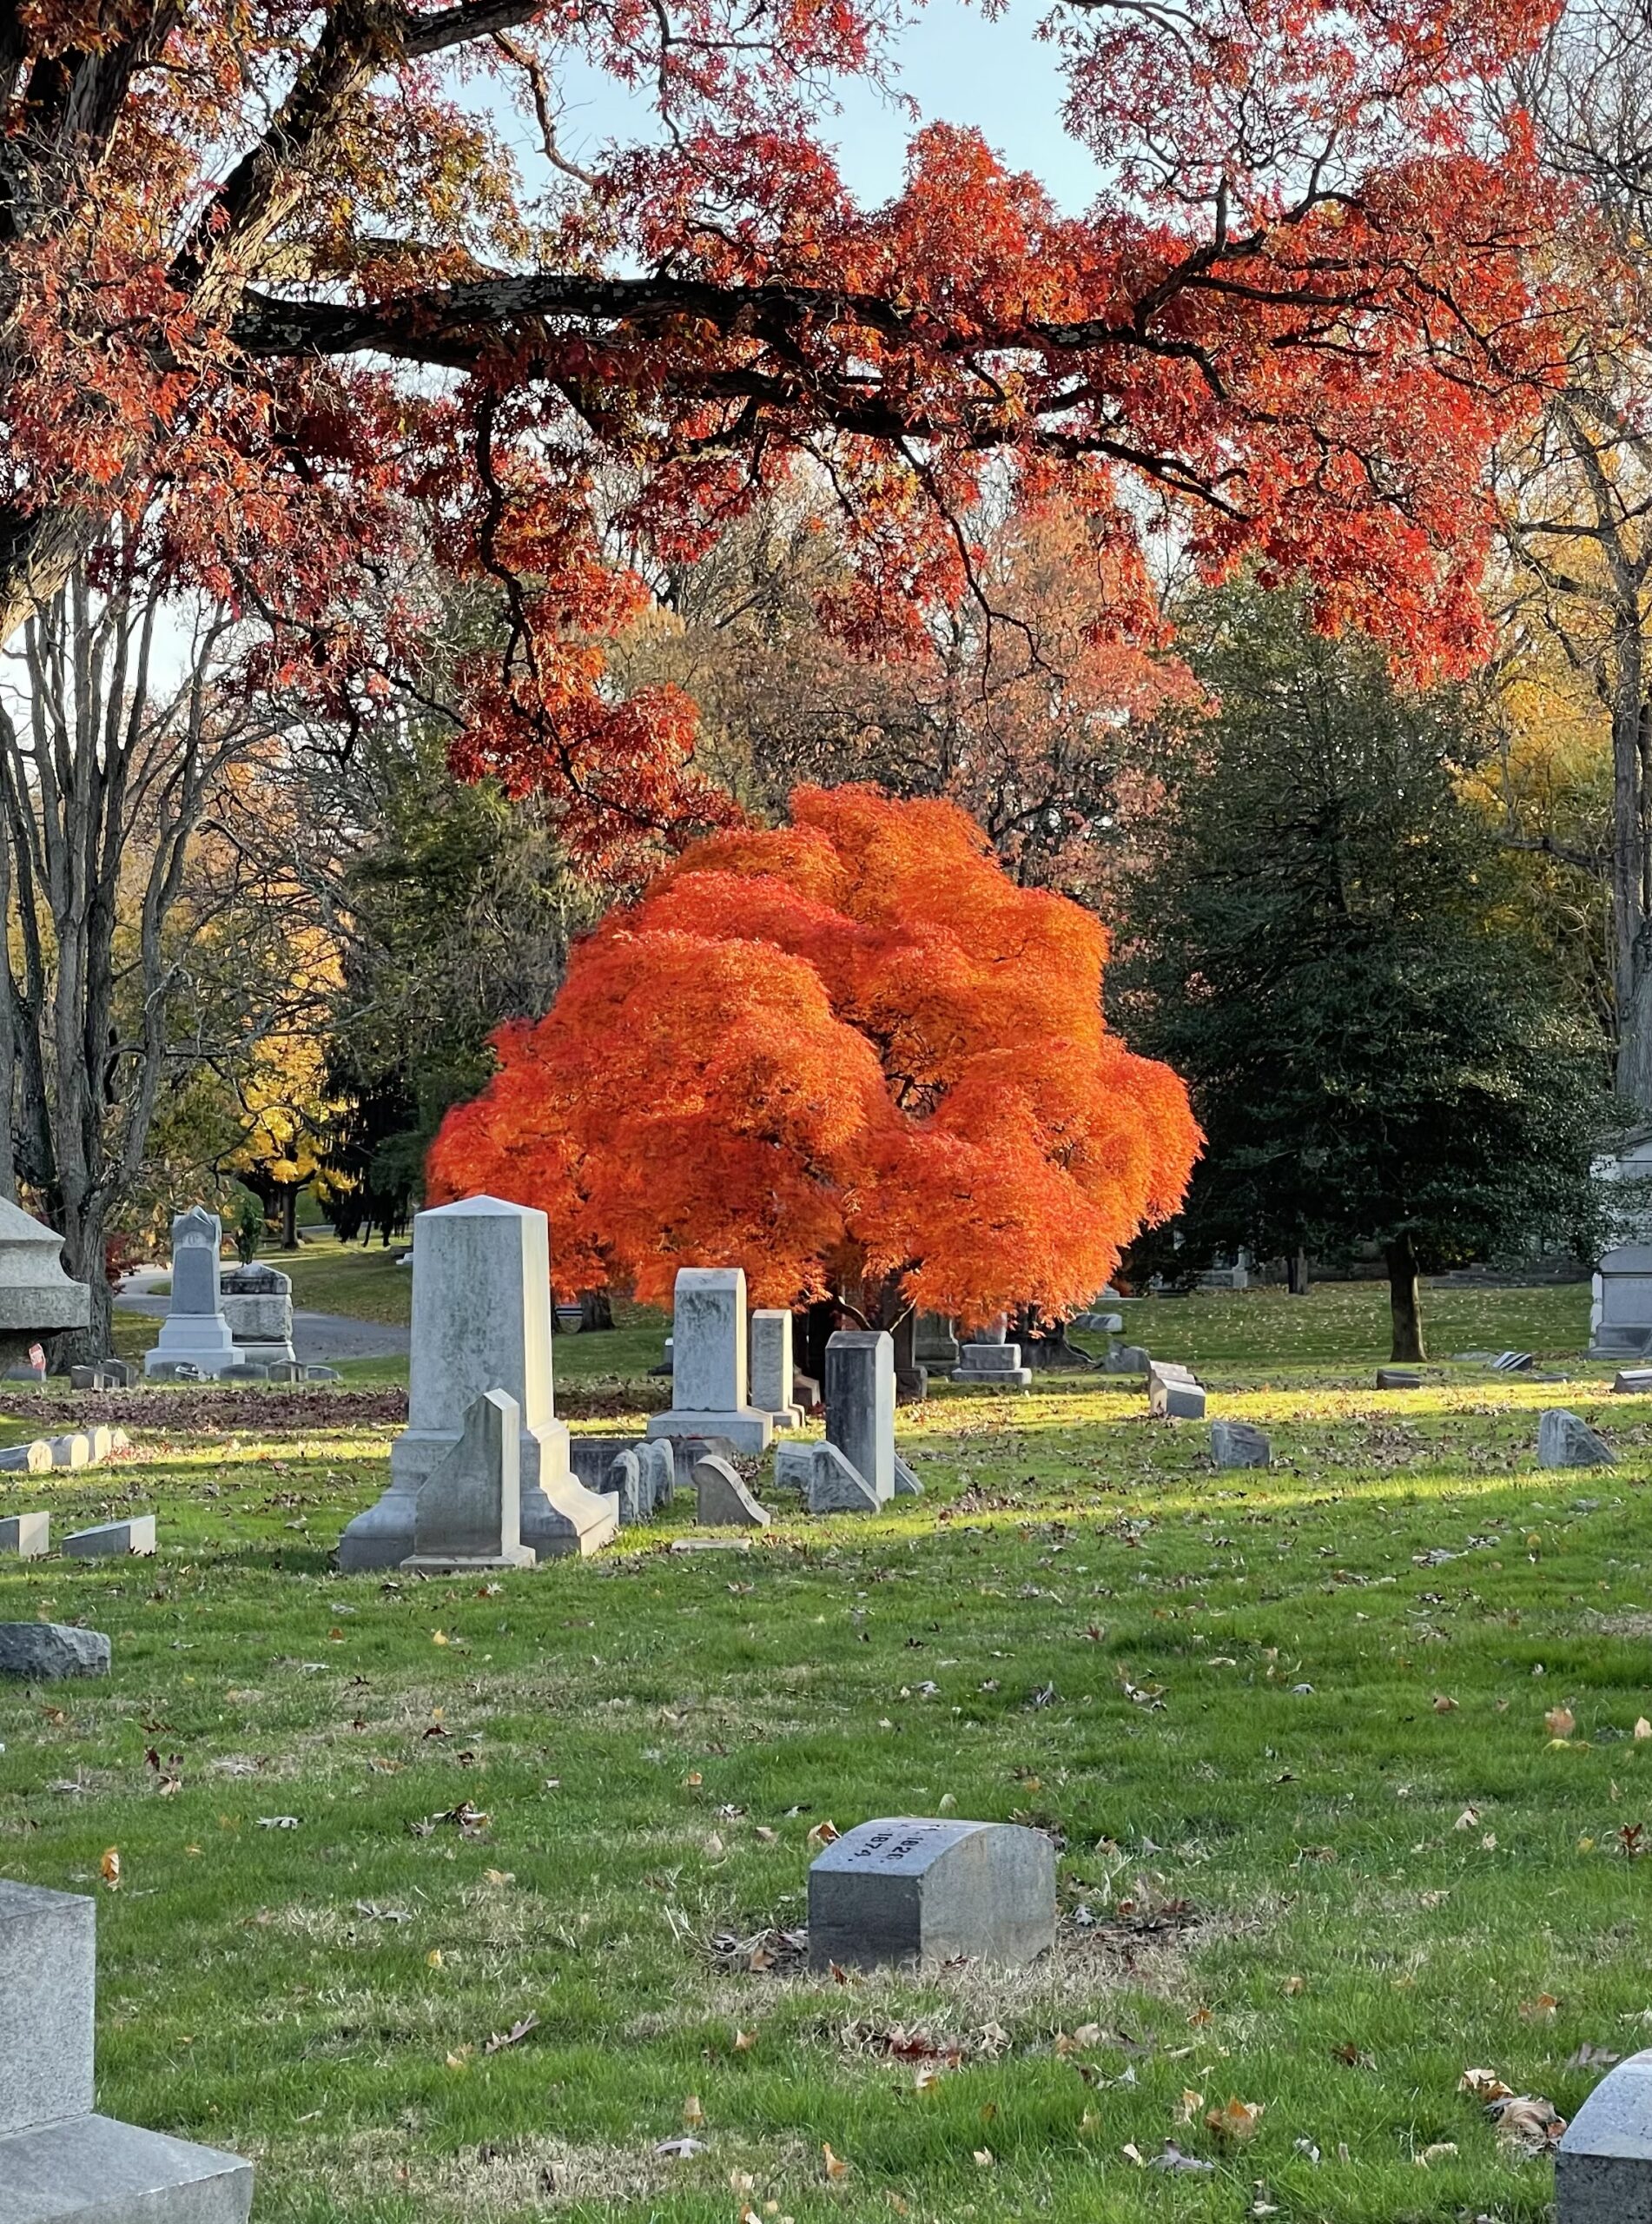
[{"x": 847, "y": 1054}]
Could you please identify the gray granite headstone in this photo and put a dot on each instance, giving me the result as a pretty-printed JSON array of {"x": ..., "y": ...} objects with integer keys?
[
  {"x": 709, "y": 1356},
  {"x": 197, "y": 1235},
  {"x": 28, "y": 1535},
  {"x": 46, "y": 1653},
  {"x": 1604, "y": 2165},
  {"x": 1238, "y": 1443},
  {"x": 1398, "y": 1378},
  {"x": 58, "y": 2162},
  {"x": 625, "y": 1481},
  {"x": 468, "y": 1512},
  {"x": 1564, "y": 1440},
  {"x": 859, "y": 1404},
  {"x": 909, "y": 1889},
  {"x": 1126, "y": 1359},
  {"x": 112, "y": 1538},
  {"x": 771, "y": 1387},
  {"x": 48, "y": 1976},
  {"x": 722, "y": 1499}
]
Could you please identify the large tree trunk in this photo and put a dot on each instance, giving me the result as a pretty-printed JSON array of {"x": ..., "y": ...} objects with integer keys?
[
  {"x": 1403, "y": 1301},
  {"x": 289, "y": 1217},
  {"x": 85, "y": 1235},
  {"x": 596, "y": 1310}
]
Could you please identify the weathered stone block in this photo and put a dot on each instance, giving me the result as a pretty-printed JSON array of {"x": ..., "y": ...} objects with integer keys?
[
  {"x": 1633, "y": 1380},
  {"x": 48, "y": 1980},
  {"x": 1398, "y": 1378},
  {"x": 28, "y": 1535},
  {"x": 658, "y": 1472},
  {"x": 835, "y": 1486},
  {"x": 101, "y": 2172},
  {"x": 722, "y": 1499},
  {"x": 1603, "y": 2166},
  {"x": 710, "y": 1346},
  {"x": 913, "y": 1890},
  {"x": 1237, "y": 1444},
  {"x": 112, "y": 1538},
  {"x": 31, "y": 1458},
  {"x": 859, "y": 1404},
  {"x": 46, "y": 1653},
  {"x": 906, "y": 1483},
  {"x": 71, "y": 1451},
  {"x": 771, "y": 1368},
  {"x": 1564, "y": 1440},
  {"x": 1126, "y": 1359},
  {"x": 625, "y": 1482},
  {"x": 468, "y": 1510}
]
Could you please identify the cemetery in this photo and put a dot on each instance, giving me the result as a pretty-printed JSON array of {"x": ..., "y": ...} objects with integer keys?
[
  {"x": 826, "y": 1113},
  {"x": 1172, "y": 1809}
]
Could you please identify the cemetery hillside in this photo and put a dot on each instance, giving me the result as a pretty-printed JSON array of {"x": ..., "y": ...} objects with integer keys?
[{"x": 825, "y": 1112}]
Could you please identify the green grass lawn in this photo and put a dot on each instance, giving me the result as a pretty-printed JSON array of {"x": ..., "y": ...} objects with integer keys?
[{"x": 1323, "y": 1851}]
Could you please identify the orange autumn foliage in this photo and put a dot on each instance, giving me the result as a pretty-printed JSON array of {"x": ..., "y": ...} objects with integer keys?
[{"x": 849, "y": 1055}]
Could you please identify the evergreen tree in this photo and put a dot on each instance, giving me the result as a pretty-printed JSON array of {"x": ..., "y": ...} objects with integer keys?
[{"x": 1327, "y": 943}]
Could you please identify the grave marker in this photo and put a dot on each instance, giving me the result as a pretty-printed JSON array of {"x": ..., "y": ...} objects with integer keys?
[
  {"x": 914, "y": 1890},
  {"x": 58, "y": 2161},
  {"x": 1603, "y": 2164},
  {"x": 860, "y": 1406},
  {"x": 467, "y": 1515},
  {"x": 195, "y": 1333},
  {"x": 1564, "y": 1440},
  {"x": 709, "y": 1357},
  {"x": 481, "y": 1321}
]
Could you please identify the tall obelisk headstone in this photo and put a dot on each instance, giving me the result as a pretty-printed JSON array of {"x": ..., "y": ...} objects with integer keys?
[{"x": 481, "y": 1321}]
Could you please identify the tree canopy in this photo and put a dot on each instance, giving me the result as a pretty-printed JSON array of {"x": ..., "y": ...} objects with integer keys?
[
  {"x": 1333, "y": 949},
  {"x": 276, "y": 289},
  {"x": 849, "y": 1055}
]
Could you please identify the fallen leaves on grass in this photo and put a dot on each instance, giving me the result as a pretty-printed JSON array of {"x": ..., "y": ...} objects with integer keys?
[
  {"x": 109, "y": 1869},
  {"x": 763, "y": 1953},
  {"x": 514, "y": 2036},
  {"x": 1236, "y": 2121},
  {"x": 833, "y": 2165},
  {"x": 823, "y": 1833},
  {"x": 1559, "y": 1722},
  {"x": 1527, "y": 2125},
  {"x": 1541, "y": 2010}
]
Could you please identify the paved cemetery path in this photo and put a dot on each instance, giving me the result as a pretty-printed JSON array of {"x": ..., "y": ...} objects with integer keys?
[{"x": 319, "y": 1338}]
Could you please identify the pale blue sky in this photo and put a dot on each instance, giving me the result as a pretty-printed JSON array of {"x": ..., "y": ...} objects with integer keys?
[{"x": 960, "y": 69}]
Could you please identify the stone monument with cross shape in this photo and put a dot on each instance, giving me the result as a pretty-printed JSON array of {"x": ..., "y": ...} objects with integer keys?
[{"x": 194, "y": 1331}]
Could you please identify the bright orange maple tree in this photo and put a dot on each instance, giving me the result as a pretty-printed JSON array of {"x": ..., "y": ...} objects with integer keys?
[
  {"x": 276, "y": 285},
  {"x": 849, "y": 1055}
]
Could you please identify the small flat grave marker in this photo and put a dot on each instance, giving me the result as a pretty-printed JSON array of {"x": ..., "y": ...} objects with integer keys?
[
  {"x": 110, "y": 1538},
  {"x": 916, "y": 1889}
]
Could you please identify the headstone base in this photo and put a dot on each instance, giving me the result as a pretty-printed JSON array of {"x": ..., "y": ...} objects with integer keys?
[
  {"x": 452, "y": 1564},
  {"x": 92, "y": 2166},
  {"x": 749, "y": 1431},
  {"x": 559, "y": 1520},
  {"x": 199, "y": 1340}
]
